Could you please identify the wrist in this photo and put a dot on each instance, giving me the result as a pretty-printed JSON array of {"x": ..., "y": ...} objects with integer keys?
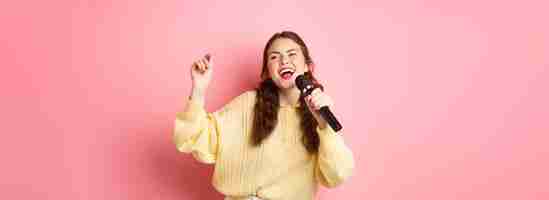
[
  {"x": 321, "y": 122},
  {"x": 197, "y": 94}
]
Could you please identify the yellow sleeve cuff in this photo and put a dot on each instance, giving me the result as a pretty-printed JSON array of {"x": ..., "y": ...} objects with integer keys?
[
  {"x": 328, "y": 136},
  {"x": 193, "y": 111},
  {"x": 335, "y": 159}
]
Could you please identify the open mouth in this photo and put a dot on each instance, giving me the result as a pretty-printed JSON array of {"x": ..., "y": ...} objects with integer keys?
[{"x": 286, "y": 73}]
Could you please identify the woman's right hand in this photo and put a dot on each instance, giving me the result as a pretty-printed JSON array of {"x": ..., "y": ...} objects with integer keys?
[{"x": 201, "y": 74}]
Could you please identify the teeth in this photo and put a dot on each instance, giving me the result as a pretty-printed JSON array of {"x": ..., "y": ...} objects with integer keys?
[{"x": 286, "y": 70}]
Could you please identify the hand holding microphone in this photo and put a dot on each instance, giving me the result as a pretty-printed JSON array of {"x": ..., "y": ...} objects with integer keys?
[{"x": 318, "y": 102}]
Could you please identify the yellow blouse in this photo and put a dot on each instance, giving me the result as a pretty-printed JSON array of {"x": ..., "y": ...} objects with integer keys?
[{"x": 280, "y": 168}]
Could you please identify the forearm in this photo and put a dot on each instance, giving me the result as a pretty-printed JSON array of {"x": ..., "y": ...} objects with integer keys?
[{"x": 198, "y": 95}]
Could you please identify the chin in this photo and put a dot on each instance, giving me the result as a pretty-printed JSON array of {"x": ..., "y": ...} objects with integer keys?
[{"x": 286, "y": 86}]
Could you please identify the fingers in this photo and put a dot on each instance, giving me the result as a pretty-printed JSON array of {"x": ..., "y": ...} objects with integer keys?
[
  {"x": 207, "y": 62},
  {"x": 202, "y": 64},
  {"x": 210, "y": 60},
  {"x": 197, "y": 66},
  {"x": 318, "y": 99}
]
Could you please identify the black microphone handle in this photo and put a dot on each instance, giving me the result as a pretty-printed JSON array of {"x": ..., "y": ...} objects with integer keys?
[{"x": 329, "y": 117}]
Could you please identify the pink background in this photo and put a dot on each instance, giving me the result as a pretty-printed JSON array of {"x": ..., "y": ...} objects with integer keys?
[{"x": 439, "y": 100}]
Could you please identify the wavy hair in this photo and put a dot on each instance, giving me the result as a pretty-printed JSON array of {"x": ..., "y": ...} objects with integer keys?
[{"x": 267, "y": 105}]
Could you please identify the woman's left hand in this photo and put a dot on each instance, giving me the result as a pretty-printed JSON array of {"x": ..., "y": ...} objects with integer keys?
[{"x": 315, "y": 101}]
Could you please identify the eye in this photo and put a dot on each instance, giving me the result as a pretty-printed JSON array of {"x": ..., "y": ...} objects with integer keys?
[
  {"x": 273, "y": 57},
  {"x": 293, "y": 54}
]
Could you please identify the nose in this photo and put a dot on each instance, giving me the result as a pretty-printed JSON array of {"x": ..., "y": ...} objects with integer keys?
[{"x": 284, "y": 60}]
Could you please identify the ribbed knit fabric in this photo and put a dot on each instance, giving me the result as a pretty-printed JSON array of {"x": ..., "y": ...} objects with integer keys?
[{"x": 279, "y": 169}]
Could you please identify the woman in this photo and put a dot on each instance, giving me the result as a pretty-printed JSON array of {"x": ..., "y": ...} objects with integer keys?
[{"x": 265, "y": 143}]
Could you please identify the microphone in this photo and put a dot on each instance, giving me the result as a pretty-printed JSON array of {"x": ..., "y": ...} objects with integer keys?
[{"x": 306, "y": 87}]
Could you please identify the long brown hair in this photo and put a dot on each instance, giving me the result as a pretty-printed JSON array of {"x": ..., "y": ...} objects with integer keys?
[{"x": 267, "y": 104}]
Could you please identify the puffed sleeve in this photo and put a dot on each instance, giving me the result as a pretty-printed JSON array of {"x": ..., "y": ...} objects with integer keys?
[
  {"x": 335, "y": 161},
  {"x": 197, "y": 131}
]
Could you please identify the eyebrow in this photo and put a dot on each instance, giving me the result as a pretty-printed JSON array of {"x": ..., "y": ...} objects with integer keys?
[{"x": 279, "y": 52}]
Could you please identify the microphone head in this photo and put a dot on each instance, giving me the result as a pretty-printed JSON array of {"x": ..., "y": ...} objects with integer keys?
[{"x": 301, "y": 82}]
